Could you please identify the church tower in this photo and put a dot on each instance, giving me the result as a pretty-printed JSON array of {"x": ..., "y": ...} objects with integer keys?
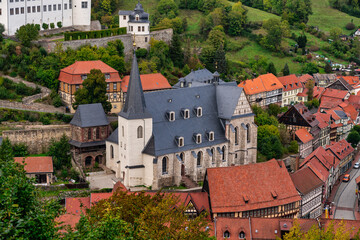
[{"x": 135, "y": 130}]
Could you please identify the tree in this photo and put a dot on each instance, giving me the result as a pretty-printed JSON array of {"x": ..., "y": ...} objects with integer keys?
[
  {"x": 93, "y": 91},
  {"x": 328, "y": 68},
  {"x": 276, "y": 31},
  {"x": 175, "y": 52},
  {"x": 22, "y": 214},
  {"x": 264, "y": 119},
  {"x": 168, "y": 8},
  {"x": 301, "y": 41},
  {"x": 20, "y": 150},
  {"x": 236, "y": 19},
  {"x": 140, "y": 216},
  {"x": 27, "y": 33},
  {"x": 310, "y": 87},
  {"x": 2, "y": 30},
  {"x": 286, "y": 70},
  {"x": 271, "y": 68},
  {"x": 310, "y": 68},
  {"x": 267, "y": 130},
  {"x": 270, "y": 146},
  {"x": 60, "y": 151},
  {"x": 294, "y": 147},
  {"x": 353, "y": 138}
]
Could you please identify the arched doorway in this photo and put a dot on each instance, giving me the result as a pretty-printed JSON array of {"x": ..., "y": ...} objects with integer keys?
[
  {"x": 98, "y": 159},
  {"x": 88, "y": 161}
]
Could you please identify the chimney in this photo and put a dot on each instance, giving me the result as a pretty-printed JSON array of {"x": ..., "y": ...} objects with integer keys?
[{"x": 297, "y": 163}]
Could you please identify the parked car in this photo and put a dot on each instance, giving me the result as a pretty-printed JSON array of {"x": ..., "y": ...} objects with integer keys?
[
  {"x": 357, "y": 165},
  {"x": 346, "y": 178}
]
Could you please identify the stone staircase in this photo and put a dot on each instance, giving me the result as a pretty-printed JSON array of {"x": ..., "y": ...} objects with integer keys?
[{"x": 188, "y": 182}]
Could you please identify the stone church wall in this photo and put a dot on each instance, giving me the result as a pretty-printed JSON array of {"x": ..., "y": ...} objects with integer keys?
[{"x": 37, "y": 140}]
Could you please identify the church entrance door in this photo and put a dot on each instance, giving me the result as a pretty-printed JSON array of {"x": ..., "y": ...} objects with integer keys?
[{"x": 182, "y": 170}]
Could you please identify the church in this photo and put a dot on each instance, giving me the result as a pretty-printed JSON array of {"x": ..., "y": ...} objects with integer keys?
[{"x": 165, "y": 136}]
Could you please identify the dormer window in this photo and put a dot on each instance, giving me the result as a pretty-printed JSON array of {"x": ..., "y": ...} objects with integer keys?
[
  {"x": 211, "y": 136},
  {"x": 186, "y": 113},
  {"x": 198, "y": 111},
  {"x": 171, "y": 116},
  {"x": 180, "y": 141},
  {"x": 137, "y": 17},
  {"x": 107, "y": 75},
  {"x": 83, "y": 77},
  {"x": 197, "y": 138}
]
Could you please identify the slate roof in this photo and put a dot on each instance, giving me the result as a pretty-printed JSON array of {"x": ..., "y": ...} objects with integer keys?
[
  {"x": 305, "y": 180},
  {"x": 143, "y": 16},
  {"x": 202, "y": 76},
  {"x": 86, "y": 144},
  {"x": 149, "y": 82},
  {"x": 125, "y": 12},
  {"x": 114, "y": 136},
  {"x": 208, "y": 97},
  {"x": 230, "y": 186},
  {"x": 306, "y": 114},
  {"x": 36, "y": 164},
  {"x": 89, "y": 115},
  {"x": 135, "y": 106}
]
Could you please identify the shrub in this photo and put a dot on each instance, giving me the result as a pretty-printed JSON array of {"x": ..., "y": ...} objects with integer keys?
[
  {"x": 52, "y": 25},
  {"x": 59, "y": 24},
  {"x": 141, "y": 53},
  {"x": 45, "y": 120},
  {"x": 45, "y": 26},
  {"x": 57, "y": 101},
  {"x": 13, "y": 74},
  {"x": 38, "y": 27},
  {"x": 350, "y": 26}
]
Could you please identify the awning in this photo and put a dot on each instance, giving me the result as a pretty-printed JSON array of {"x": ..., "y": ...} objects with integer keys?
[
  {"x": 232, "y": 128},
  {"x": 209, "y": 152},
  {"x": 219, "y": 150},
  {"x": 178, "y": 157},
  {"x": 194, "y": 154}
]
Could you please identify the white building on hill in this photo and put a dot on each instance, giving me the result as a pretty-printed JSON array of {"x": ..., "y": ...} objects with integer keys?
[{"x": 16, "y": 13}]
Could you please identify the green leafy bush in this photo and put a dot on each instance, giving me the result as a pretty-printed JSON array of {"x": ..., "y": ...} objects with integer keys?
[
  {"x": 52, "y": 25},
  {"x": 13, "y": 74},
  {"x": 45, "y": 26},
  {"x": 59, "y": 24}
]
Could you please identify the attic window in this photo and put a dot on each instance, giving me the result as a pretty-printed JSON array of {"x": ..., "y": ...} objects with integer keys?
[
  {"x": 296, "y": 84},
  {"x": 273, "y": 84},
  {"x": 171, "y": 116},
  {"x": 137, "y": 17},
  {"x": 83, "y": 77},
  {"x": 180, "y": 141},
  {"x": 186, "y": 113},
  {"x": 274, "y": 194},
  {"x": 246, "y": 198},
  {"x": 197, "y": 138},
  {"x": 107, "y": 75},
  {"x": 211, "y": 136},
  {"x": 198, "y": 111}
]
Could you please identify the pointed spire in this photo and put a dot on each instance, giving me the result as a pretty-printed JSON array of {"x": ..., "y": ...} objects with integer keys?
[{"x": 135, "y": 107}]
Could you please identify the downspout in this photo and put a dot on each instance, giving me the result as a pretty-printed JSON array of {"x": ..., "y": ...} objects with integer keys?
[
  {"x": 215, "y": 225},
  {"x": 250, "y": 228}
]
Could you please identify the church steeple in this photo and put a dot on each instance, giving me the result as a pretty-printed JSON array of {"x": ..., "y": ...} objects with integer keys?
[{"x": 135, "y": 107}]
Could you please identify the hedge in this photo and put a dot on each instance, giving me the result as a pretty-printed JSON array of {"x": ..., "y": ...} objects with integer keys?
[{"x": 94, "y": 34}]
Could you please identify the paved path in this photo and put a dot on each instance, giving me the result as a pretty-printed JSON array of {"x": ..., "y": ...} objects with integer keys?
[
  {"x": 345, "y": 197},
  {"x": 100, "y": 180}
]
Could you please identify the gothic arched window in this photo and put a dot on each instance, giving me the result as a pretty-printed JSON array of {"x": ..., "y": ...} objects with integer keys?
[
  {"x": 111, "y": 151},
  {"x": 199, "y": 158},
  {"x": 236, "y": 136},
  {"x": 140, "y": 132},
  {"x": 164, "y": 165},
  {"x": 248, "y": 133},
  {"x": 223, "y": 153}
]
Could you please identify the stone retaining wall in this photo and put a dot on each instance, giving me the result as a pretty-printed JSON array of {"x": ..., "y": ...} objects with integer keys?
[
  {"x": 37, "y": 140},
  {"x": 38, "y": 107}
]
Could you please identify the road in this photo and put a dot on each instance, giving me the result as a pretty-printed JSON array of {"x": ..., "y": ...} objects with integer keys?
[{"x": 345, "y": 197}]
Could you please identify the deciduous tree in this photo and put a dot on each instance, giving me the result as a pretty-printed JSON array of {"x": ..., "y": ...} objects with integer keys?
[
  {"x": 27, "y": 33},
  {"x": 93, "y": 91}
]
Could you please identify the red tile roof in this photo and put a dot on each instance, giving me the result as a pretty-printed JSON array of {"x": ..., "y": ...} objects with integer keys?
[
  {"x": 290, "y": 82},
  {"x": 316, "y": 92},
  {"x": 305, "y": 78},
  {"x": 335, "y": 93},
  {"x": 340, "y": 149},
  {"x": 263, "y": 83},
  {"x": 355, "y": 101},
  {"x": 270, "y": 228},
  {"x": 305, "y": 180},
  {"x": 327, "y": 159},
  {"x": 149, "y": 82},
  {"x": 77, "y": 205},
  {"x": 352, "y": 80},
  {"x": 67, "y": 219},
  {"x": 318, "y": 169},
  {"x": 303, "y": 135},
  {"x": 351, "y": 111},
  {"x": 96, "y": 197},
  {"x": 36, "y": 164},
  {"x": 72, "y": 74},
  {"x": 323, "y": 118},
  {"x": 229, "y": 186},
  {"x": 327, "y": 102}
]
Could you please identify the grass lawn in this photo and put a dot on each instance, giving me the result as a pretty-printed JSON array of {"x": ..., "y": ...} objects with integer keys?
[
  {"x": 253, "y": 49},
  {"x": 256, "y": 15},
  {"x": 148, "y": 5},
  {"x": 193, "y": 19},
  {"x": 326, "y": 17}
]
